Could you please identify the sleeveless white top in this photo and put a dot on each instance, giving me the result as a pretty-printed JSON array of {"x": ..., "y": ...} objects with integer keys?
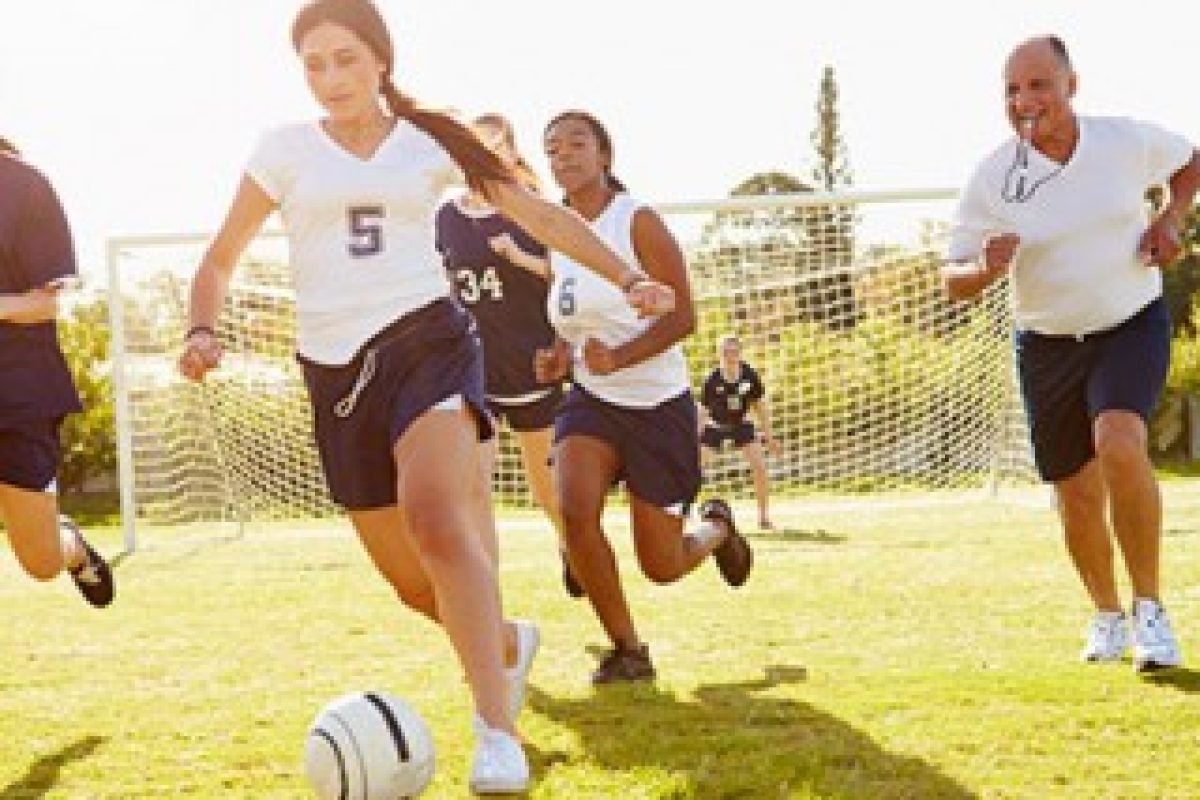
[{"x": 583, "y": 306}]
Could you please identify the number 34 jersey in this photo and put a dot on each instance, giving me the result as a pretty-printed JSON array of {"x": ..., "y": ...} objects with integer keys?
[
  {"x": 359, "y": 230},
  {"x": 585, "y": 306},
  {"x": 508, "y": 301}
]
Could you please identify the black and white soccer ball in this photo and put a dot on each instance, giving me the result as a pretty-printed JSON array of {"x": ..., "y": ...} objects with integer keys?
[{"x": 368, "y": 746}]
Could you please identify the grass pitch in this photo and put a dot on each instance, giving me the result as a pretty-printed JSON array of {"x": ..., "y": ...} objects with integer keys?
[{"x": 917, "y": 650}]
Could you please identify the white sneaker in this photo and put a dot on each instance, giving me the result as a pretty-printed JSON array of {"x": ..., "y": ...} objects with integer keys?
[
  {"x": 1107, "y": 637},
  {"x": 499, "y": 766},
  {"x": 1154, "y": 645},
  {"x": 528, "y": 641}
]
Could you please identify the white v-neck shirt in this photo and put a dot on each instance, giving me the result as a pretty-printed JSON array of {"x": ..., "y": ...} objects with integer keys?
[
  {"x": 1076, "y": 270},
  {"x": 360, "y": 231}
]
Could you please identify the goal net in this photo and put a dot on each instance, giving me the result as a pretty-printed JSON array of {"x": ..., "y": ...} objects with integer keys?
[{"x": 875, "y": 382}]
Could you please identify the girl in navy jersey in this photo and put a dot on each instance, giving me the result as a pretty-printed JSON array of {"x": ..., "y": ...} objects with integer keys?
[
  {"x": 500, "y": 273},
  {"x": 630, "y": 416},
  {"x": 732, "y": 392},
  {"x": 36, "y": 390},
  {"x": 392, "y": 364}
]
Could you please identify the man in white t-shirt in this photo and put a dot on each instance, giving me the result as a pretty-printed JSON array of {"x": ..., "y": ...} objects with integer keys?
[{"x": 1061, "y": 210}]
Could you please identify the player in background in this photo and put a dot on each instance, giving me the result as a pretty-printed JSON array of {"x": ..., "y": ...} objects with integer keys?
[
  {"x": 501, "y": 274},
  {"x": 731, "y": 392},
  {"x": 37, "y": 258},
  {"x": 392, "y": 363},
  {"x": 630, "y": 416}
]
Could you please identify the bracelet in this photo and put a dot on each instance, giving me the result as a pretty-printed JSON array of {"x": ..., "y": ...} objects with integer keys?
[
  {"x": 630, "y": 278},
  {"x": 192, "y": 331}
]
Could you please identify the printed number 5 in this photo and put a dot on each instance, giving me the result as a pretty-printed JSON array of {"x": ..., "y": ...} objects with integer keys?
[
  {"x": 566, "y": 297},
  {"x": 366, "y": 232}
]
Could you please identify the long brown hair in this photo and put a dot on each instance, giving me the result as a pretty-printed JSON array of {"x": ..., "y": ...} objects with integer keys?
[
  {"x": 524, "y": 173},
  {"x": 363, "y": 19}
]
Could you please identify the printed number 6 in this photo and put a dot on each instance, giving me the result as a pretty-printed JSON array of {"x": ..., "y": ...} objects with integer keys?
[
  {"x": 566, "y": 297},
  {"x": 366, "y": 232}
]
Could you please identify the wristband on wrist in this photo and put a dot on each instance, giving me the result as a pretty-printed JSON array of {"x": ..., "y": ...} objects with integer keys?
[
  {"x": 631, "y": 277},
  {"x": 192, "y": 331}
]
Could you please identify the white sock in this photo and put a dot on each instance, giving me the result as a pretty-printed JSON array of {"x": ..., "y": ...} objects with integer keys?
[
  {"x": 709, "y": 532},
  {"x": 72, "y": 551}
]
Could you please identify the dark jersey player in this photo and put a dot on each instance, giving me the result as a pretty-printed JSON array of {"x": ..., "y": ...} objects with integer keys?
[
  {"x": 731, "y": 393},
  {"x": 501, "y": 274},
  {"x": 36, "y": 390}
]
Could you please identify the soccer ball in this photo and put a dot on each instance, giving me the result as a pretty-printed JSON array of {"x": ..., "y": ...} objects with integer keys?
[{"x": 368, "y": 746}]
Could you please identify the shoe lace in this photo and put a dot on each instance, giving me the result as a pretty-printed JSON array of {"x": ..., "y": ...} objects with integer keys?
[{"x": 87, "y": 573}]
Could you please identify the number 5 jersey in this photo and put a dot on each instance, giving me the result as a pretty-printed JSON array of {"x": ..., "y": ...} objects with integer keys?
[{"x": 360, "y": 230}]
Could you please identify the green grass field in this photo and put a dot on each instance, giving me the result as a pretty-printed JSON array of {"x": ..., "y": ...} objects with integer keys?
[{"x": 913, "y": 651}]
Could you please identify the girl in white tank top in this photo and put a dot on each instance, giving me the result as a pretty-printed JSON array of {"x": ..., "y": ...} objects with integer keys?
[{"x": 630, "y": 417}]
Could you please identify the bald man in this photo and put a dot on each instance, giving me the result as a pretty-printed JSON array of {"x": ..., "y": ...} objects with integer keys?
[{"x": 1060, "y": 209}]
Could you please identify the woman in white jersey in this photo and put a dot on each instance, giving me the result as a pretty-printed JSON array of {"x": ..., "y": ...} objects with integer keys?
[
  {"x": 501, "y": 273},
  {"x": 630, "y": 416},
  {"x": 392, "y": 364}
]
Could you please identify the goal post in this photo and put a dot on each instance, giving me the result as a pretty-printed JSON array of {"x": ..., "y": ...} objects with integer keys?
[{"x": 875, "y": 382}]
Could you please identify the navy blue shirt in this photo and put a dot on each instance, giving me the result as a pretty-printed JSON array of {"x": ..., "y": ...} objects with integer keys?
[
  {"x": 35, "y": 248},
  {"x": 508, "y": 301},
  {"x": 729, "y": 401}
]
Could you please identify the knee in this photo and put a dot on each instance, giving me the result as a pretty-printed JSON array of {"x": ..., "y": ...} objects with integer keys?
[
  {"x": 1121, "y": 446},
  {"x": 659, "y": 574},
  {"x": 438, "y": 531},
  {"x": 42, "y": 569},
  {"x": 580, "y": 512}
]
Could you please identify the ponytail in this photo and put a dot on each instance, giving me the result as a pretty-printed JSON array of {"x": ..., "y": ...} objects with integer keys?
[{"x": 479, "y": 164}]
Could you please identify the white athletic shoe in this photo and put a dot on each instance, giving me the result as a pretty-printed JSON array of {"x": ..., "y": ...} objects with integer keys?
[
  {"x": 1107, "y": 637},
  {"x": 499, "y": 766},
  {"x": 1154, "y": 645},
  {"x": 528, "y": 641}
]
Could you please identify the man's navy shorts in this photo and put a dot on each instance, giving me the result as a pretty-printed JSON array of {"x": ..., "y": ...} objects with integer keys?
[{"x": 1067, "y": 381}]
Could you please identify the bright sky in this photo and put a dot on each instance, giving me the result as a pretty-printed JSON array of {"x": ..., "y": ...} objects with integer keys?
[{"x": 142, "y": 112}]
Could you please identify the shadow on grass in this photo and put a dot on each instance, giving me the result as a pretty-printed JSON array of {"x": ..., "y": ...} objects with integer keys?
[
  {"x": 738, "y": 740},
  {"x": 813, "y": 536},
  {"x": 1181, "y": 678},
  {"x": 42, "y": 774}
]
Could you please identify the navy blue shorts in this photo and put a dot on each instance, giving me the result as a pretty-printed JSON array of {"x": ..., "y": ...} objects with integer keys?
[
  {"x": 30, "y": 455},
  {"x": 657, "y": 448},
  {"x": 1067, "y": 381},
  {"x": 428, "y": 356},
  {"x": 715, "y": 436},
  {"x": 535, "y": 416}
]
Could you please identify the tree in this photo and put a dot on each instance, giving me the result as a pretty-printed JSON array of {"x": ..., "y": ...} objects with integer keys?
[
  {"x": 832, "y": 170},
  {"x": 89, "y": 438},
  {"x": 834, "y": 224}
]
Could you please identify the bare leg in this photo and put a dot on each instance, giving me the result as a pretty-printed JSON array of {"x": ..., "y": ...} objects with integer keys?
[
  {"x": 439, "y": 469},
  {"x": 1134, "y": 500},
  {"x": 1081, "y": 506},
  {"x": 31, "y": 519},
  {"x": 665, "y": 552},
  {"x": 584, "y": 468},
  {"x": 753, "y": 453}
]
